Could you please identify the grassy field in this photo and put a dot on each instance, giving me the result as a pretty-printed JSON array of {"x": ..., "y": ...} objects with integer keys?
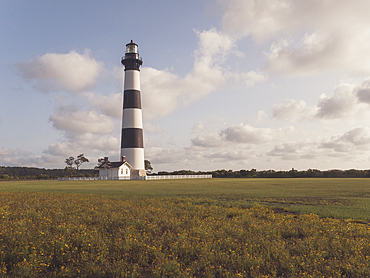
[
  {"x": 338, "y": 198},
  {"x": 186, "y": 228}
]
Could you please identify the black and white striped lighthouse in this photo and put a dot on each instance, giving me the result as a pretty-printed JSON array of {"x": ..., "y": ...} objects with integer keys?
[{"x": 132, "y": 145}]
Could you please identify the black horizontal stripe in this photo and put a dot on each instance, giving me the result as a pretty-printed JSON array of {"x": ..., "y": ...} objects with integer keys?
[
  {"x": 131, "y": 99},
  {"x": 131, "y": 62},
  {"x": 132, "y": 138}
]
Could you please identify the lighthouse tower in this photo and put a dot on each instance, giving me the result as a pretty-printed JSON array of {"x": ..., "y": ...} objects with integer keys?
[{"x": 132, "y": 146}]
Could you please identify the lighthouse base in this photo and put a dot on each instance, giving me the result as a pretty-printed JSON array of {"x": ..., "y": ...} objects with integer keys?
[{"x": 138, "y": 173}]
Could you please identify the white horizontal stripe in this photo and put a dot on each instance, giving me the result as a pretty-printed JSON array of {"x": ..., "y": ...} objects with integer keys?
[
  {"x": 132, "y": 80},
  {"x": 132, "y": 118},
  {"x": 134, "y": 156}
]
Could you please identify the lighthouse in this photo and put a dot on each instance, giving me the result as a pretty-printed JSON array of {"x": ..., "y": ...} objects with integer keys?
[{"x": 132, "y": 145}]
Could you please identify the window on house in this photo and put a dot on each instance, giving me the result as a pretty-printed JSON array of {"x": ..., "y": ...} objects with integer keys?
[
  {"x": 121, "y": 171},
  {"x": 126, "y": 171}
]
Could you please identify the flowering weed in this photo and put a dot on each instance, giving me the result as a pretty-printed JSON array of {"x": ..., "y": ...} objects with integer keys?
[{"x": 77, "y": 235}]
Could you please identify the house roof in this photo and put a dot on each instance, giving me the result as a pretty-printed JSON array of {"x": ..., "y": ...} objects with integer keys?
[{"x": 113, "y": 165}]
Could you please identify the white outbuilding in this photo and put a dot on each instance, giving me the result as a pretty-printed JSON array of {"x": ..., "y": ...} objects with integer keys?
[{"x": 114, "y": 170}]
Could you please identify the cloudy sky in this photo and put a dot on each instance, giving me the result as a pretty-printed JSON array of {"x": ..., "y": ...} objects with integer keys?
[{"x": 228, "y": 84}]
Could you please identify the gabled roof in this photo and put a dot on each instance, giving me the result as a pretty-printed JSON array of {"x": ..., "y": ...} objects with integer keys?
[{"x": 113, "y": 165}]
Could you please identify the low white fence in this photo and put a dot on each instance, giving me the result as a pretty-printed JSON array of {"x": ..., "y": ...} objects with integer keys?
[
  {"x": 164, "y": 177},
  {"x": 113, "y": 178},
  {"x": 91, "y": 178},
  {"x": 78, "y": 179}
]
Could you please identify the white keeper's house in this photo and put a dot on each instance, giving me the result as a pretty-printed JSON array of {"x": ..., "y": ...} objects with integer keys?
[{"x": 114, "y": 170}]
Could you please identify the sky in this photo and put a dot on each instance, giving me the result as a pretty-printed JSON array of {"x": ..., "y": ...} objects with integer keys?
[{"x": 225, "y": 84}]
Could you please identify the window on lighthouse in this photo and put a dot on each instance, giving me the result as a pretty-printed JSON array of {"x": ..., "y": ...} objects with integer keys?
[{"x": 131, "y": 48}]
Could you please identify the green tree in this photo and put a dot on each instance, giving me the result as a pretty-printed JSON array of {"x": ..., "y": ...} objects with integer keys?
[
  {"x": 71, "y": 161},
  {"x": 148, "y": 166},
  {"x": 5, "y": 177},
  {"x": 79, "y": 160},
  {"x": 69, "y": 168}
]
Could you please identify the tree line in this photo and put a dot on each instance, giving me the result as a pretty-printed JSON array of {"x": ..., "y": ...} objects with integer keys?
[
  {"x": 32, "y": 173},
  {"x": 293, "y": 173}
]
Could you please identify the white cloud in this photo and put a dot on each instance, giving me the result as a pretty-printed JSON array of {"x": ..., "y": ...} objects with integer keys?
[
  {"x": 307, "y": 36},
  {"x": 363, "y": 92},
  {"x": 199, "y": 126},
  {"x": 163, "y": 91},
  {"x": 110, "y": 105},
  {"x": 250, "y": 78},
  {"x": 260, "y": 19},
  {"x": 154, "y": 129},
  {"x": 235, "y": 155},
  {"x": 315, "y": 52},
  {"x": 94, "y": 144},
  {"x": 244, "y": 133},
  {"x": 357, "y": 138},
  {"x": 295, "y": 150},
  {"x": 349, "y": 102},
  {"x": 72, "y": 72},
  {"x": 261, "y": 115},
  {"x": 160, "y": 156},
  {"x": 340, "y": 105},
  {"x": 208, "y": 140},
  {"x": 71, "y": 119},
  {"x": 248, "y": 134},
  {"x": 351, "y": 145},
  {"x": 203, "y": 158},
  {"x": 289, "y": 109},
  {"x": 4, "y": 152},
  {"x": 214, "y": 46},
  {"x": 209, "y": 124},
  {"x": 241, "y": 134},
  {"x": 160, "y": 92},
  {"x": 363, "y": 95},
  {"x": 18, "y": 157}
]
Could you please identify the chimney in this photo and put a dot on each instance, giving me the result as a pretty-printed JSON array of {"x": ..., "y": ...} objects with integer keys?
[
  {"x": 106, "y": 159},
  {"x": 123, "y": 158}
]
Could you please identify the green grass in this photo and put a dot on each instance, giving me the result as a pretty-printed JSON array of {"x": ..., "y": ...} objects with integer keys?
[{"x": 337, "y": 198}]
